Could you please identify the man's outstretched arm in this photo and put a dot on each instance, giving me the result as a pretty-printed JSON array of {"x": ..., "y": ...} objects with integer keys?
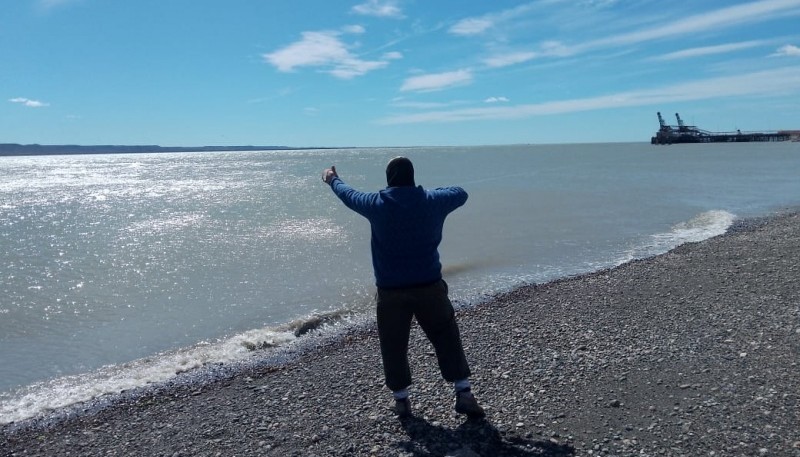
[{"x": 360, "y": 202}]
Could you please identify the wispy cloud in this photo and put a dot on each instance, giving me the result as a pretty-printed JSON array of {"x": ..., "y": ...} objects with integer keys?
[
  {"x": 471, "y": 26},
  {"x": 437, "y": 81},
  {"x": 423, "y": 105},
  {"x": 546, "y": 49},
  {"x": 28, "y": 102},
  {"x": 356, "y": 29},
  {"x": 733, "y": 16},
  {"x": 598, "y": 3},
  {"x": 379, "y": 8},
  {"x": 789, "y": 50},
  {"x": 504, "y": 60},
  {"x": 496, "y": 100},
  {"x": 753, "y": 12},
  {"x": 278, "y": 94},
  {"x": 711, "y": 50},
  {"x": 704, "y": 22},
  {"x": 781, "y": 82},
  {"x": 327, "y": 51},
  {"x": 478, "y": 25},
  {"x": 394, "y": 55}
]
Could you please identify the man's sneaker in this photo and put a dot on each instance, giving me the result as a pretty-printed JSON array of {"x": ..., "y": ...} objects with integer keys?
[
  {"x": 466, "y": 404},
  {"x": 402, "y": 408}
]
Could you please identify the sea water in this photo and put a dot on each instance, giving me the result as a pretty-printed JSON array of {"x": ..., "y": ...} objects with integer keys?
[{"x": 118, "y": 271}]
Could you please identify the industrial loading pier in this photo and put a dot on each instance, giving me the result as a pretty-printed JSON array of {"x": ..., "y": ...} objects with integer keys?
[{"x": 682, "y": 133}]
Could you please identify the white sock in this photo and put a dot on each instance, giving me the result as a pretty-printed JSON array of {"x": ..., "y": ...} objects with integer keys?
[
  {"x": 461, "y": 385},
  {"x": 400, "y": 394}
]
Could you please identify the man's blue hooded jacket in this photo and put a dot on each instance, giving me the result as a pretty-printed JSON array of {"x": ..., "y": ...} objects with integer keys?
[{"x": 406, "y": 223}]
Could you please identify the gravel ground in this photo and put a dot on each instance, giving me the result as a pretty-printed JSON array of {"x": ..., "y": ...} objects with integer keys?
[{"x": 694, "y": 352}]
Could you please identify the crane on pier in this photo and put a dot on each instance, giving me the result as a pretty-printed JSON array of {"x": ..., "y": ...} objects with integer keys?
[
  {"x": 681, "y": 125},
  {"x": 661, "y": 121}
]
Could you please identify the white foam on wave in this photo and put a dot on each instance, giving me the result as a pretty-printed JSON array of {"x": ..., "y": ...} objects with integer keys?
[
  {"x": 48, "y": 396},
  {"x": 701, "y": 227}
]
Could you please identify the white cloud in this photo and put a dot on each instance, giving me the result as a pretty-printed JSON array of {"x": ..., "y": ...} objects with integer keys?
[
  {"x": 598, "y": 3},
  {"x": 768, "y": 83},
  {"x": 386, "y": 8},
  {"x": 704, "y": 22},
  {"x": 505, "y": 60},
  {"x": 478, "y": 25},
  {"x": 437, "y": 81},
  {"x": 28, "y": 102},
  {"x": 557, "y": 48},
  {"x": 710, "y": 50},
  {"x": 547, "y": 48},
  {"x": 496, "y": 100},
  {"x": 278, "y": 94},
  {"x": 355, "y": 29},
  {"x": 316, "y": 48},
  {"x": 350, "y": 68},
  {"x": 789, "y": 50},
  {"x": 322, "y": 49},
  {"x": 421, "y": 105},
  {"x": 394, "y": 55},
  {"x": 730, "y": 16},
  {"x": 471, "y": 26}
]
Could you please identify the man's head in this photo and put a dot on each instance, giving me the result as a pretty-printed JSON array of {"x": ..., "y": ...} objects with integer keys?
[{"x": 400, "y": 172}]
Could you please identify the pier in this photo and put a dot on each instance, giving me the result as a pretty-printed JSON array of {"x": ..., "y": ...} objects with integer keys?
[{"x": 682, "y": 133}]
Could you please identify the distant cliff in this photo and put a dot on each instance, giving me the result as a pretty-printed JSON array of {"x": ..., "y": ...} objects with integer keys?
[{"x": 11, "y": 149}]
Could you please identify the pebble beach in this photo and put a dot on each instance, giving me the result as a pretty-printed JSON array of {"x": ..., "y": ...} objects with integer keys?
[{"x": 695, "y": 352}]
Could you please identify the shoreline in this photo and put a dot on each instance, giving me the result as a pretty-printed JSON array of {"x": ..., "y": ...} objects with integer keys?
[
  {"x": 106, "y": 385},
  {"x": 644, "y": 358}
]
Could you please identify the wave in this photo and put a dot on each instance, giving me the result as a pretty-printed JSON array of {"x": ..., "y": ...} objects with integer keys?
[
  {"x": 701, "y": 227},
  {"x": 46, "y": 397}
]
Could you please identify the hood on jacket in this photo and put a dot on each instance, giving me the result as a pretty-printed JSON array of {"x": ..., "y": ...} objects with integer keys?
[{"x": 400, "y": 172}]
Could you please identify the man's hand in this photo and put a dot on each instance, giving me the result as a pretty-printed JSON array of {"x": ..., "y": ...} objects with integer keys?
[{"x": 329, "y": 174}]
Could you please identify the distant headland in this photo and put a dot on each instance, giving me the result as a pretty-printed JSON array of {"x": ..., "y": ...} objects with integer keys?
[{"x": 13, "y": 149}]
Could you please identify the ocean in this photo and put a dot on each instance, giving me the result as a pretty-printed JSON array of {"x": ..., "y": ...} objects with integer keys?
[{"x": 121, "y": 271}]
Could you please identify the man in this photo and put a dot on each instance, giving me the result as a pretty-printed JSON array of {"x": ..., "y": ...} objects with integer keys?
[{"x": 406, "y": 222}]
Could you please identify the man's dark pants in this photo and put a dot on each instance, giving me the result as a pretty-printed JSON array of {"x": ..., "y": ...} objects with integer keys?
[{"x": 434, "y": 312}]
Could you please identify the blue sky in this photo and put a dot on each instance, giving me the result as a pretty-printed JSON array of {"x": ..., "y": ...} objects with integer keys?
[{"x": 391, "y": 72}]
